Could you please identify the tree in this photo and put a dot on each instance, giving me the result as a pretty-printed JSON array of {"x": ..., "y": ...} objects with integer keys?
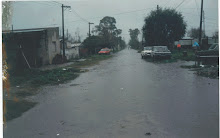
[
  {"x": 163, "y": 27},
  {"x": 107, "y": 36},
  {"x": 133, "y": 42},
  {"x": 215, "y": 35},
  {"x": 77, "y": 38},
  {"x": 94, "y": 43},
  {"x": 108, "y": 30},
  {"x": 122, "y": 43},
  {"x": 194, "y": 33}
]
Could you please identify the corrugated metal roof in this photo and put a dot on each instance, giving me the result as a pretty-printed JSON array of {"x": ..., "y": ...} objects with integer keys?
[
  {"x": 76, "y": 44},
  {"x": 28, "y": 30},
  {"x": 25, "y": 31}
]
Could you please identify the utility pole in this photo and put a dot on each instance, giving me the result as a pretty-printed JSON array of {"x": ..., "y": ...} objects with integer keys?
[
  {"x": 200, "y": 28},
  {"x": 142, "y": 41},
  {"x": 63, "y": 26},
  {"x": 89, "y": 28},
  {"x": 67, "y": 34},
  {"x": 204, "y": 23}
]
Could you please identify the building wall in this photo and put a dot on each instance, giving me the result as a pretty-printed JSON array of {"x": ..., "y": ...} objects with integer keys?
[
  {"x": 185, "y": 43},
  {"x": 32, "y": 45},
  {"x": 72, "y": 53},
  {"x": 43, "y": 49},
  {"x": 53, "y": 43},
  {"x": 39, "y": 45},
  {"x": 68, "y": 45}
]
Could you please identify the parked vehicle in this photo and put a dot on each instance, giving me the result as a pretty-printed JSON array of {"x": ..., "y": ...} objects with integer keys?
[
  {"x": 160, "y": 52},
  {"x": 105, "y": 51},
  {"x": 146, "y": 52},
  {"x": 212, "y": 51},
  {"x": 210, "y": 56}
]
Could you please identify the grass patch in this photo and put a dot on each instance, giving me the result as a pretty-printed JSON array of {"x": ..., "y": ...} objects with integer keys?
[
  {"x": 54, "y": 76},
  {"x": 15, "y": 109},
  {"x": 38, "y": 78},
  {"x": 24, "y": 93},
  {"x": 161, "y": 60},
  {"x": 206, "y": 71},
  {"x": 29, "y": 81},
  {"x": 212, "y": 72},
  {"x": 180, "y": 56},
  {"x": 91, "y": 60},
  {"x": 189, "y": 66},
  {"x": 176, "y": 55}
]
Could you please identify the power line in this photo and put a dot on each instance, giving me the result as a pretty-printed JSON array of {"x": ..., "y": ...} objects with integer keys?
[
  {"x": 210, "y": 18},
  {"x": 167, "y": 3},
  {"x": 37, "y": 2},
  {"x": 197, "y": 6},
  {"x": 114, "y": 14},
  {"x": 80, "y": 16},
  {"x": 57, "y": 2},
  {"x": 132, "y": 11},
  {"x": 179, "y": 4}
]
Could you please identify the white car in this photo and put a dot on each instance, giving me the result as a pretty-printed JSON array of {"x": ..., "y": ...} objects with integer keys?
[{"x": 146, "y": 52}]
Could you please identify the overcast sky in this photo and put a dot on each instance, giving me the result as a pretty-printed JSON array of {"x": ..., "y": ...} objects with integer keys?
[{"x": 128, "y": 14}]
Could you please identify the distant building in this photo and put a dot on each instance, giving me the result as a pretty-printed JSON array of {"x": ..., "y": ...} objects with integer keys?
[
  {"x": 38, "y": 45},
  {"x": 187, "y": 42},
  {"x": 73, "y": 51},
  {"x": 67, "y": 44}
]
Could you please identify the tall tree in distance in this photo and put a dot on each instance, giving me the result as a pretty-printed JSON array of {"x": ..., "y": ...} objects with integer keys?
[
  {"x": 163, "y": 27},
  {"x": 134, "y": 42},
  {"x": 107, "y": 28},
  {"x": 215, "y": 35},
  {"x": 106, "y": 35},
  {"x": 194, "y": 33}
]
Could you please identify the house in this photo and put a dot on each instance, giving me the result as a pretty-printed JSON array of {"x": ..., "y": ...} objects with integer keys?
[
  {"x": 36, "y": 46},
  {"x": 73, "y": 51},
  {"x": 187, "y": 42},
  {"x": 67, "y": 44}
]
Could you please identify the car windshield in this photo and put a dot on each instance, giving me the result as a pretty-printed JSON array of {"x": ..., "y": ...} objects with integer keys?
[
  {"x": 104, "y": 49},
  {"x": 213, "y": 46},
  {"x": 147, "y": 48},
  {"x": 160, "y": 49}
]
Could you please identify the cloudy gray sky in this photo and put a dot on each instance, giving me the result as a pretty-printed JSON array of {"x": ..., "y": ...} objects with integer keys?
[{"x": 128, "y": 13}]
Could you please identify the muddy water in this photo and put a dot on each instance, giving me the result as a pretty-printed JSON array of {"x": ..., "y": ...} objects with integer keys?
[{"x": 125, "y": 96}]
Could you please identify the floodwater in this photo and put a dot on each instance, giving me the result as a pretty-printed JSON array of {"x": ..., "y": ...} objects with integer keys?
[{"x": 125, "y": 96}]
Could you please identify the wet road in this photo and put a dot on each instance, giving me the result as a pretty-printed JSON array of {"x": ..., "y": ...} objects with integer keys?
[{"x": 125, "y": 96}]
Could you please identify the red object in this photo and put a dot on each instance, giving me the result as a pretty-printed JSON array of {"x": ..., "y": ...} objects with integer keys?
[
  {"x": 178, "y": 46},
  {"x": 105, "y": 51}
]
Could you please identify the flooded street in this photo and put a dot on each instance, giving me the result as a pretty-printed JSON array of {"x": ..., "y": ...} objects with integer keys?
[{"x": 125, "y": 96}]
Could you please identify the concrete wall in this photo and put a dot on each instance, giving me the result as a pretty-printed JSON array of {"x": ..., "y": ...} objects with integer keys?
[
  {"x": 39, "y": 45},
  {"x": 186, "y": 43},
  {"x": 42, "y": 51},
  {"x": 53, "y": 43},
  {"x": 33, "y": 46},
  {"x": 68, "y": 45},
  {"x": 72, "y": 53}
]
